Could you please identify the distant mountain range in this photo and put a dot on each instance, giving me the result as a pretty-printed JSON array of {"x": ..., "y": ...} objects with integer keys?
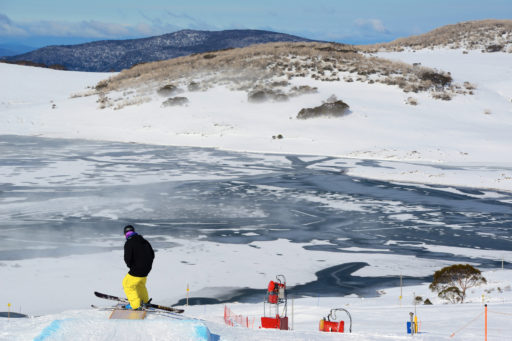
[
  {"x": 115, "y": 55},
  {"x": 7, "y": 49}
]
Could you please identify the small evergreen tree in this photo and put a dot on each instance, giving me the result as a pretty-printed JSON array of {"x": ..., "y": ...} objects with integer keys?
[{"x": 451, "y": 282}]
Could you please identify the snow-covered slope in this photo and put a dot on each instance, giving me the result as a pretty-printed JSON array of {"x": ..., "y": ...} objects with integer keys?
[
  {"x": 373, "y": 319},
  {"x": 471, "y": 132},
  {"x": 489, "y": 35}
]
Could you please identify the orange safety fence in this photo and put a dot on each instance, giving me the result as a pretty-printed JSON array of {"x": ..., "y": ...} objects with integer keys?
[
  {"x": 467, "y": 324},
  {"x": 485, "y": 313},
  {"x": 500, "y": 313},
  {"x": 236, "y": 320}
]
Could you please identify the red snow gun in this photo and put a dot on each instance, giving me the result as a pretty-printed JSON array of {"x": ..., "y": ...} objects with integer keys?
[
  {"x": 275, "y": 304},
  {"x": 275, "y": 291},
  {"x": 329, "y": 323}
]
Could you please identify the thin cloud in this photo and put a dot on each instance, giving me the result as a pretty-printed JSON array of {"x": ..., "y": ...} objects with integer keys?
[
  {"x": 94, "y": 29},
  {"x": 8, "y": 28},
  {"x": 180, "y": 16},
  {"x": 86, "y": 28},
  {"x": 371, "y": 24},
  {"x": 186, "y": 20}
]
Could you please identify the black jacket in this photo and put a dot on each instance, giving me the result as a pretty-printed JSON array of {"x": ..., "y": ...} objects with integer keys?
[{"x": 138, "y": 256}]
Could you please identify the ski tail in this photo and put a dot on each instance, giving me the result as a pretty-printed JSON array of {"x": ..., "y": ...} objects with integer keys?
[
  {"x": 161, "y": 307},
  {"x": 110, "y": 297}
]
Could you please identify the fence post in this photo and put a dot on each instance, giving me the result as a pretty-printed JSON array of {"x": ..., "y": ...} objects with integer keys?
[
  {"x": 188, "y": 289},
  {"x": 486, "y": 322},
  {"x": 293, "y": 299},
  {"x": 400, "y": 298}
]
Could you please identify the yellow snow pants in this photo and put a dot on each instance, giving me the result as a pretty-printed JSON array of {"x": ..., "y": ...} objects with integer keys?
[{"x": 135, "y": 290}]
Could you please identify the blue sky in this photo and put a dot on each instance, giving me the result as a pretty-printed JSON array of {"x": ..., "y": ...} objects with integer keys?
[{"x": 38, "y": 23}]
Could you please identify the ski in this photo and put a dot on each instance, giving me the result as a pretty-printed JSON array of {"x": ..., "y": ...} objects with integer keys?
[
  {"x": 150, "y": 305},
  {"x": 152, "y": 311}
]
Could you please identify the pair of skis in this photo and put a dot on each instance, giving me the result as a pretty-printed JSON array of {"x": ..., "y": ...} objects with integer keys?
[{"x": 149, "y": 305}]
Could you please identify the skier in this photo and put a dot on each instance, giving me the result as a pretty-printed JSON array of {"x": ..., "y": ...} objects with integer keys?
[{"x": 138, "y": 256}]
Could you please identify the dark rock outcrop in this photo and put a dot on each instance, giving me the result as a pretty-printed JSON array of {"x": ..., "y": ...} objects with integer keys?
[
  {"x": 175, "y": 101},
  {"x": 332, "y": 109}
]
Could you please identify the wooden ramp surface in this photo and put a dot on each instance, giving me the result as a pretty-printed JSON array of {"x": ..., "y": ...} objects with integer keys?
[{"x": 123, "y": 314}]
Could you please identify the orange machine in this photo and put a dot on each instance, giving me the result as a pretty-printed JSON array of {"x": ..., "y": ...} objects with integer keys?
[
  {"x": 329, "y": 323},
  {"x": 275, "y": 305}
]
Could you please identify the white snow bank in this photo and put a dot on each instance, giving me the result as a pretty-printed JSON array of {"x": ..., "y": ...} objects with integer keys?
[
  {"x": 25, "y": 86},
  {"x": 101, "y": 328}
]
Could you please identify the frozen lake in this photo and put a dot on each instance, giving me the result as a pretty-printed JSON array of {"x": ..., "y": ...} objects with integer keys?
[{"x": 60, "y": 197}]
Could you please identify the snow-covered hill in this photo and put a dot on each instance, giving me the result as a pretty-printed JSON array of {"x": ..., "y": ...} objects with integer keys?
[
  {"x": 483, "y": 35},
  {"x": 464, "y": 141}
]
